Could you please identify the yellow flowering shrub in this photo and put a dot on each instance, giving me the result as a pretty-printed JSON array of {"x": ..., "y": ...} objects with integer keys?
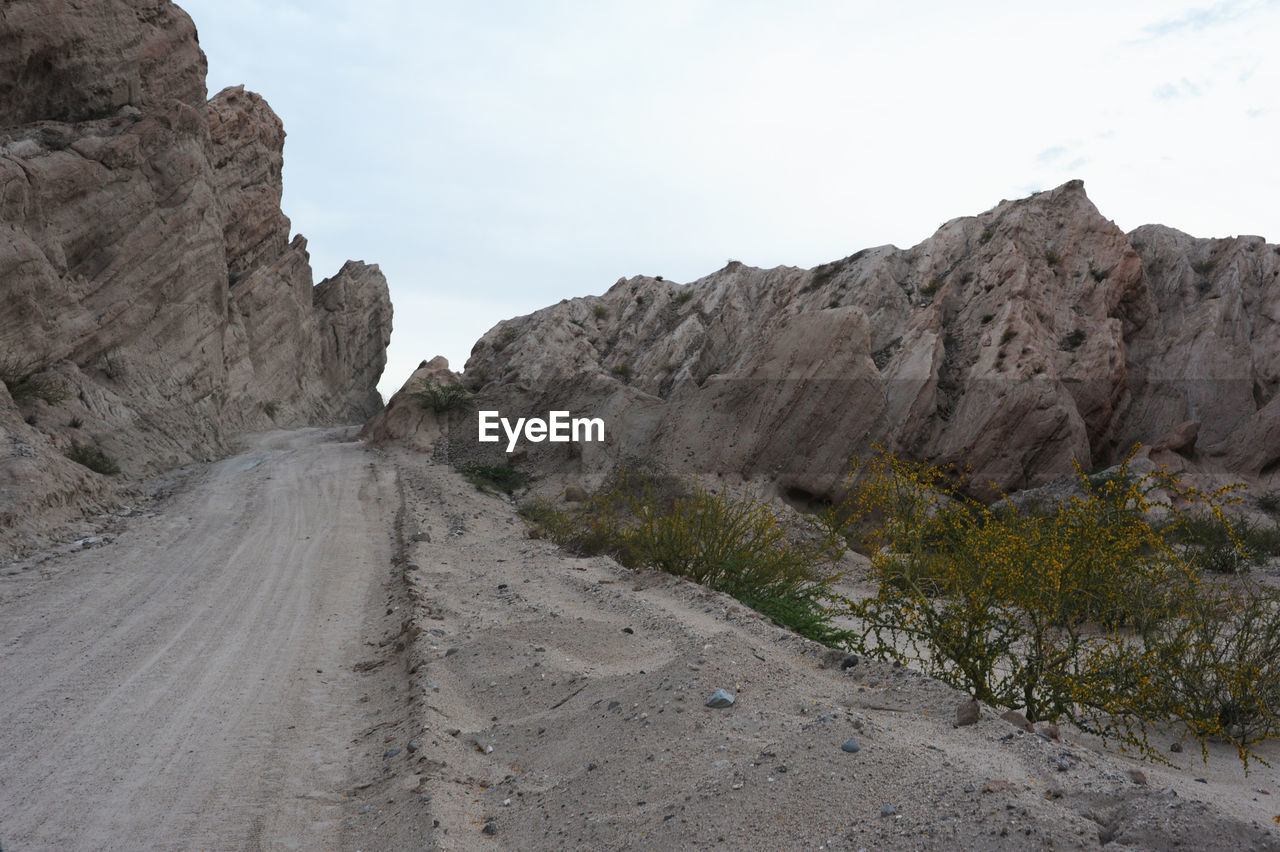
[{"x": 1087, "y": 610}]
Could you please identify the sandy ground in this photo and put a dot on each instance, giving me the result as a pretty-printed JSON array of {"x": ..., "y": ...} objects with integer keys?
[
  {"x": 318, "y": 646},
  {"x": 565, "y": 709}
]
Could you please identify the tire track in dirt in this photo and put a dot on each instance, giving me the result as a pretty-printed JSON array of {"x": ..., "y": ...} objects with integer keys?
[{"x": 195, "y": 683}]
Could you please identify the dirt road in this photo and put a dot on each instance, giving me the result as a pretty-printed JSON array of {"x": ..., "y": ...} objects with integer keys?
[{"x": 211, "y": 678}]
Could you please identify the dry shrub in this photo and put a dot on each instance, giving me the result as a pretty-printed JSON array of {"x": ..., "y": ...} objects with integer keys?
[
  {"x": 646, "y": 518},
  {"x": 25, "y": 377},
  {"x": 1087, "y": 611}
]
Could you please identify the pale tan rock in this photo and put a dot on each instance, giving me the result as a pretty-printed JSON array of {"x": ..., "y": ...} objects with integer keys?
[
  {"x": 967, "y": 713},
  {"x": 1013, "y": 717},
  {"x": 1181, "y": 439},
  {"x": 1014, "y": 344},
  {"x": 353, "y": 328},
  {"x": 405, "y": 419},
  {"x": 247, "y": 154},
  {"x": 62, "y": 60}
]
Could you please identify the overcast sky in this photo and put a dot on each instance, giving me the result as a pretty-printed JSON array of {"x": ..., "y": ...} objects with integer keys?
[{"x": 496, "y": 157}]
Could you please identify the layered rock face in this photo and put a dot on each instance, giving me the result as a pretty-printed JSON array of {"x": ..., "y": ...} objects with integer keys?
[
  {"x": 1012, "y": 343},
  {"x": 146, "y": 269}
]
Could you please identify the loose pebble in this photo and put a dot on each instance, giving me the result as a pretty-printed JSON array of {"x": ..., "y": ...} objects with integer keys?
[{"x": 720, "y": 698}]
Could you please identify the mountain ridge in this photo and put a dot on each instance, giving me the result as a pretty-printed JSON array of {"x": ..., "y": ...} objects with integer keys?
[{"x": 1015, "y": 343}]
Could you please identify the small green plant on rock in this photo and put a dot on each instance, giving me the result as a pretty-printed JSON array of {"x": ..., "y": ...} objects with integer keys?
[
  {"x": 93, "y": 458},
  {"x": 440, "y": 398},
  {"x": 500, "y": 478},
  {"x": 25, "y": 377}
]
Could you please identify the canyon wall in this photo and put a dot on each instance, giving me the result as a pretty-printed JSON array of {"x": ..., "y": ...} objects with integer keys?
[{"x": 154, "y": 304}]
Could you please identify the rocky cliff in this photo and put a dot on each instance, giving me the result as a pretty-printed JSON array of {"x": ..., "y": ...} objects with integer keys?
[
  {"x": 1013, "y": 343},
  {"x": 154, "y": 303}
]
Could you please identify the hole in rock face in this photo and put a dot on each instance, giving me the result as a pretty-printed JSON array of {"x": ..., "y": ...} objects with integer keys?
[
  {"x": 1270, "y": 467},
  {"x": 804, "y": 501}
]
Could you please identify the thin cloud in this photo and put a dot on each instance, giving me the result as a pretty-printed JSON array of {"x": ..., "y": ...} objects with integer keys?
[
  {"x": 1048, "y": 155},
  {"x": 1184, "y": 88},
  {"x": 1200, "y": 19}
]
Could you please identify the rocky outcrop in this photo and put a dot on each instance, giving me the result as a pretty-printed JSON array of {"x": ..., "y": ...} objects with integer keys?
[
  {"x": 405, "y": 420},
  {"x": 63, "y": 60},
  {"x": 1012, "y": 343},
  {"x": 146, "y": 268},
  {"x": 353, "y": 316}
]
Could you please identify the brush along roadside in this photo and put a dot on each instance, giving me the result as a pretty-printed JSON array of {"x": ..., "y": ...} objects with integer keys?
[{"x": 1095, "y": 610}]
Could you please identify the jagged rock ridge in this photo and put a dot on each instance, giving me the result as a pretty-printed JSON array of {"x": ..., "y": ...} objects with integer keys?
[
  {"x": 145, "y": 259},
  {"x": 1015, "y": 342}
]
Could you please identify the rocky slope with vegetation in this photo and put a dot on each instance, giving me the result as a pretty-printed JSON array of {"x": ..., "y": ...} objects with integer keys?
[
  {"x": 1013, "y": 342},
  {"x": 155, "y": 305}
]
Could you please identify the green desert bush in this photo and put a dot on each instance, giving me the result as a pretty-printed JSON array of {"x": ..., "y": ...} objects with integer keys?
[
  {"x": 1086, "y": 610},
  {"x": 1218, "y": 544},
  {"x": 736, "y": 545},
  {"x": 499, "y": 478},
  {"x": 93, "y": 458},
  {"x": 25, "y": 377},
  {"x": 440, "y": 398}
]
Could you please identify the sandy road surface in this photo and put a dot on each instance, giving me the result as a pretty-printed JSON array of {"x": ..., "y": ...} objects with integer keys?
[{"x": 195, "y": 684}]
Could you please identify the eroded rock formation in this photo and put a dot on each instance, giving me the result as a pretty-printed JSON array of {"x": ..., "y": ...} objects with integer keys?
[
  {"x": 1013, "y": 342},
  {"x": 145, "y": 265}
]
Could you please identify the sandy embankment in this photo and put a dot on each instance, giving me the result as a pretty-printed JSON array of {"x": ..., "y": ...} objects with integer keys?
[{"x": 563, "y": 707}]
